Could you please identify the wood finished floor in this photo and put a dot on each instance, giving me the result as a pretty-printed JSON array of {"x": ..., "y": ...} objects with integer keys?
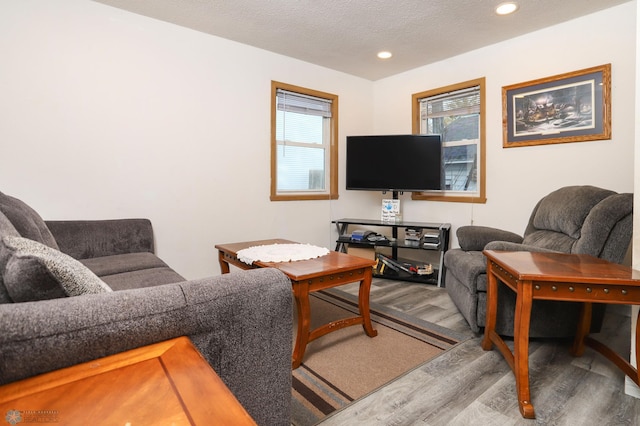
[{"x": 470, "y": 386}]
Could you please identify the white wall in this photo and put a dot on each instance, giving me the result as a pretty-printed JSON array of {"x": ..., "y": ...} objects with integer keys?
[
  {"x": 518, "y": 177},
  {"x": 108, "y": 114}
]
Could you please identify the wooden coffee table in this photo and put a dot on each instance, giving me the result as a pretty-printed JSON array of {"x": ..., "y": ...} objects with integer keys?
[
  {"x": 308, "y": 276},
  {"x": 555, "y": 276},
  {"x": 164, "y": 383}
]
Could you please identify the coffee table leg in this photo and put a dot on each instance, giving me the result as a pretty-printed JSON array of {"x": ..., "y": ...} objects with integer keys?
[
  {"x": 363, "y": 303},
  {"x": 524, "y": 300},
  {"x": 224, "y": 265},
  {"x": 301, "y": 295}
]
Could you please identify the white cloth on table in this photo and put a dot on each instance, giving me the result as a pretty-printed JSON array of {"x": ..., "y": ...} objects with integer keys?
[{"x": 280, "y": 253}]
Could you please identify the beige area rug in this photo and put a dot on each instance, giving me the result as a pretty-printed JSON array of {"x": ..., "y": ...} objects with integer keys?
[{"x": 345, "y": 365}]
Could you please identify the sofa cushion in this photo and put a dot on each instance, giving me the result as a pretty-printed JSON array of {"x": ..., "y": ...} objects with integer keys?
[
  {"x": 551, "y": 240},
  {"x": 26, "y": 221},
  {"x": 85, "y": 239},
  {"x": 565, "y": 209},
  {"x": 32, "y": 271},
  {"x": 142, "y": 278},
  {"x": 119, "y": 263}
]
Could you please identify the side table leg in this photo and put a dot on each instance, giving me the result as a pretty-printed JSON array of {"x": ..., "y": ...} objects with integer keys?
[
  {"x": 584, "y": 325},
  {"x": 492, "y": 307},
  {"x": 301, "y": 295},
  {"x": 524, "y": 301},
  {"x": 637, "y": 368},
  {"x": 363, "y": 303}
]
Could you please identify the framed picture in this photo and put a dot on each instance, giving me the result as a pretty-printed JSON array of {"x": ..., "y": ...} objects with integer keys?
[{"x": 572, "y": 107}]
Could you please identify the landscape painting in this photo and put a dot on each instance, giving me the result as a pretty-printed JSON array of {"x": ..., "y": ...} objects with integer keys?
[{"x": 572, "y": 107}]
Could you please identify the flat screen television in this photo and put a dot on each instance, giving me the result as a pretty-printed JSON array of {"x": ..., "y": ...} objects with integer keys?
[{"x": 398, "y": 163}]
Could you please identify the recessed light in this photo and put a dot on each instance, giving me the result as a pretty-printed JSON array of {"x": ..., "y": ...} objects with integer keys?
[
  {"x": 506, "y": 8},
  {"x": 384, "y": 55}
]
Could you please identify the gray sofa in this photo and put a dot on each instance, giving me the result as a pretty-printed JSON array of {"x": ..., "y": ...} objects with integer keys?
[
  {"x": 241, "y": 322},
  {"x": 573, "y": 219}
]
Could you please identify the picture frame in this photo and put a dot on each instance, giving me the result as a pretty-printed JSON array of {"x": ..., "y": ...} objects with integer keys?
[{"x": 571, "y": 107}]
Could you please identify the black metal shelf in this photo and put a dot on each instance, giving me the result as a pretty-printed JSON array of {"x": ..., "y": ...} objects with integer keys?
[{"x": 344, "y": 240}]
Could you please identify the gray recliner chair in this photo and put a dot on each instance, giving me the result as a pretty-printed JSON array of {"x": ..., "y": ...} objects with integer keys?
[{"x": 573, "y": 219}]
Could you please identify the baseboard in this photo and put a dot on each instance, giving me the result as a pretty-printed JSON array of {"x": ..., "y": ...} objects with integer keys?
[{"x": 630, "y": 388}]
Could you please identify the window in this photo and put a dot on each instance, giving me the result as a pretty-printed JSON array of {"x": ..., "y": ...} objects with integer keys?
[
  {"x": 457, "y": 114},
  {"x": 304, "y": 144}
]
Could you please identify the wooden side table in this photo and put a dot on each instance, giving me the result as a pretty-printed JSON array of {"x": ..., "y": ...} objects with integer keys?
[
  {"x": 311, "y": 275},
  {"x": 555, "y": 276},
  {"x": 165, "y": 383}
]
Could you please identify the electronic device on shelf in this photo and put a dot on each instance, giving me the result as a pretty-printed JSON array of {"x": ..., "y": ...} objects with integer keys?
[
  {"x": 358, "y": 235},
  {"x": 412, "y": 236},
  {"x": 370, "y": 236},
  {"x": 374, "y": 238},
  {"x": 430, "y": 239}
]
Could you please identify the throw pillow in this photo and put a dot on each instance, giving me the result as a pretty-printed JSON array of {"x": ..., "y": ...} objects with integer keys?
[
  {"x": 6, "y": 228},
  {"x": 26, "y": 220},
  {"x": 32, "y": 271}
]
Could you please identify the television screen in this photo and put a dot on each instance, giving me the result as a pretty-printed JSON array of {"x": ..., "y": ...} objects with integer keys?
[{"x": 394, "y": 163}]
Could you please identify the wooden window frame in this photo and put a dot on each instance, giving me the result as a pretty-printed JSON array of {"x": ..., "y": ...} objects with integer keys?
[{"x": 332, "y": 192}]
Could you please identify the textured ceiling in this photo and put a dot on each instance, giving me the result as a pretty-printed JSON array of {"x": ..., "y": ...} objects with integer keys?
[{"x": 345, "y": 35}]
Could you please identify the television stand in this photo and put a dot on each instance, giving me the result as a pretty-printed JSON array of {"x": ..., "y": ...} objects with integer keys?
[{"x": 393, "y": 266}]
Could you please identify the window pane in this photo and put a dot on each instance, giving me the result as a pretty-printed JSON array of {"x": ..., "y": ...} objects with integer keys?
[
  {"x": 301, "y": 128},
  {"x": 300, "y": 168},
  {"x": 460, "y": 168},
  {"x": 456, "y": 118},
  {"x": 304, "y": 104},
  {"x": 456, "y": 113}
]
